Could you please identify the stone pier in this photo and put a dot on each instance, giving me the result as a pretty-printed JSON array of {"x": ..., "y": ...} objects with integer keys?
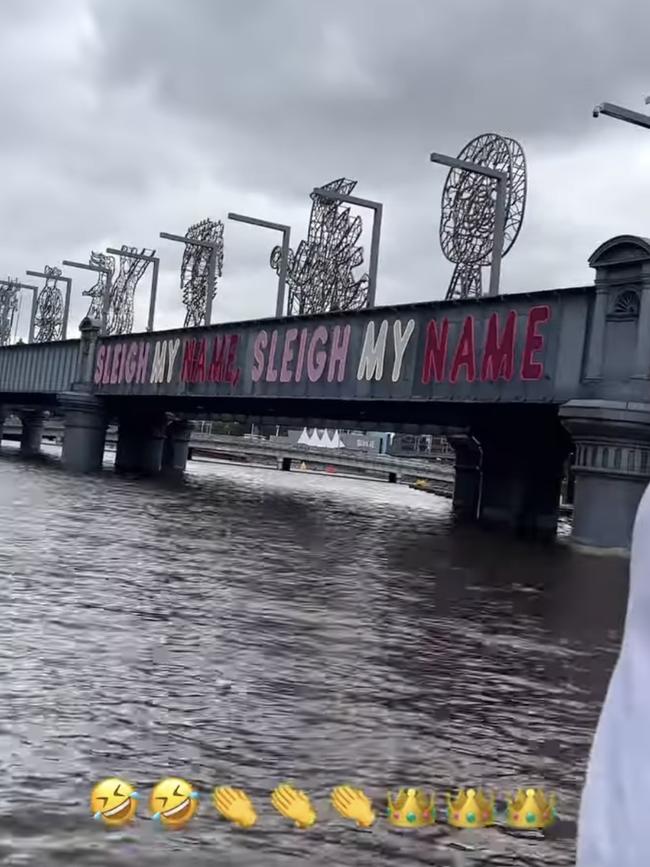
[
  {"x": 176, "y": 446},
  {"x": 32, "y": 433},
  {"x": 84, "y": 432},
  {"x": 140, "y": 443}
]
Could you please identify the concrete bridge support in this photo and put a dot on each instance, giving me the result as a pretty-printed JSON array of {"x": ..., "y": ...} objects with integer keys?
[
  {"x": 84, "y": 432},
  {"x": 521, "y": 477},
  {"x": 176, "y": 446},
  {"x": 140, "y": 443},
  {"x": 467, "y": 479},
  {"x": 612, "y": 469},
  {"x": 32, "y": 433},
  {"x": 284, "y": 464}
]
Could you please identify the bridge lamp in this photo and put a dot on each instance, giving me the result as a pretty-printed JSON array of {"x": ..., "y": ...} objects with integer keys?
[
  {"x": 499, "y": 209},
  {"x": 107, "y": 286},
  {"x": 377, "y": 209},
  {"x": 34, "y": 289},
  {"x": 620, "y": 113},
  {"x": 66, "y": 302},
  {"x": 212, "y": 266},
  {"x": 286, "y": 234},
  {"x": 155, "y": 262}
]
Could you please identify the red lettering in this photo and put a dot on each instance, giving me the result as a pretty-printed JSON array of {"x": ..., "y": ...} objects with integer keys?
[
  {"x": 530, "y": 369},
  {"x": 218, "y": 352},
  {"x": 199, "y": 371},
  {"x": 435, "y": 352},
  {"x": 499, "y": 352},
  {"x": 259, "y": 346},
  {"x": 188, "y": 361},
  {"x": 99, "y": 364},
  {"x": 338, "y": 353},
  {"x": 232, "y": 373},
  {"x": 464, "y": 355}
]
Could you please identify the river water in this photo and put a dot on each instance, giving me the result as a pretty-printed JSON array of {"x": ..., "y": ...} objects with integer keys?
[{"x": 246, "y": 626}]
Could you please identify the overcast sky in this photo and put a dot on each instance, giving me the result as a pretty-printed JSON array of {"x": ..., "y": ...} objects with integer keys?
[{"x": 122, "y": 118}]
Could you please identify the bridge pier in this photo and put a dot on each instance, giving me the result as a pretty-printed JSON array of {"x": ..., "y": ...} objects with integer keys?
[
  {"x": 32, "y": 432},
  {"x": 284, "y": 464},
  {"x": 140, "y": 444},
  {"x": 467, "y": 478},
  {"x": 612, "y": 469},
  {"x": 176, "y": 446},
  {"x": 522, "y": 469},
  {"x": 84, "y": 432}
]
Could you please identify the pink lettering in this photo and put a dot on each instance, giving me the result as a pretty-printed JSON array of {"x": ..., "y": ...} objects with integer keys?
[
  {"x": 232, "y": 373},
  {"x": 120, "y": 375},
  {"x": 300, "y": 363},
  {"x": 99, "y": 364},
  {"x": 198, "y": 374},
  {"x": 106, "y": 378},
  {"x": 271, "y": 371},
  {"x": 131, "y": 361},
  {"x": 338, "y": 353},
  {"x": 287, "y": 355},
  {"x": 115, "y": 366},
  {"x": 317, "y": 360},
  {"x": 259, "y": 346},
  {"x": 143, "y": 358}
]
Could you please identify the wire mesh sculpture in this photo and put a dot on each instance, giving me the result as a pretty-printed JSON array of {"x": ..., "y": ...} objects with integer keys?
[
  {"x": 48, "y": 322},
  {"x": 196, "y": 271},
  {"x": 122, "y": 293},
  {"x": 320, "y": 273},
  {"x": 468, "y": 208},
  {"x": 8, "y": 308},
  {"x": 97, "y": 292}
]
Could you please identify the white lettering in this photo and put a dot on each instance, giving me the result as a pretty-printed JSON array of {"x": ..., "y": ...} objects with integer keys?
[
  {"x": 371, "y": 362},
  {"x": 172, "y": 351},
  {"x": 401, "y": 342},
  {"x": 158, "y": 365}
]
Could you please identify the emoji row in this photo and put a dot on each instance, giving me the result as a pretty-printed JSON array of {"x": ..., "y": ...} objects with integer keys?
[{"x": 174, "y": 802}]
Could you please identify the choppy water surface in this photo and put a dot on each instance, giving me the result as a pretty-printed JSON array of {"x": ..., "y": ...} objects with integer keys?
[{"x": 248, "y": 626}]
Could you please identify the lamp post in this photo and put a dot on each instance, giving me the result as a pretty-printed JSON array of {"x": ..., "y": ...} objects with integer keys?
[
  {"x": 34, "y": 290},
  {"x": 377, "y": 209},
  {"x": 66, "y": 302},
  {"x": 499, "y": 209},
  {"x": 286, "y": 234},
  {"x": 620, "y": 113},
  {"x": 107, "y": 287},
  {"x": 212, "y": 265},
  {"x": 143, "y": 257}
]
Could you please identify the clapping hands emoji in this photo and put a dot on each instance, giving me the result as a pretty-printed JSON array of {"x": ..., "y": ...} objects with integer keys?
[
  {"x": 235, "y": 806},
  {"x": 353, "y": 804},
  {"x": 294, "y": 805}
]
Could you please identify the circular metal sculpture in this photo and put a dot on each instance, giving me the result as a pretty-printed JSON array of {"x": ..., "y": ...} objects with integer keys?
[
  {"x": 467, "y": 220},
  {"x": 320, "y": 273},
  {"x": 8, "y": 309},
  {"x": 48, "y": 323},
  {"x": 196, "y": 273}
]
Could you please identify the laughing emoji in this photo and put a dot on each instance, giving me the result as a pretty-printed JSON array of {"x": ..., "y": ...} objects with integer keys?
[
  {"x": 114, "y": 802},
  {"x": 173, "y": 802}
]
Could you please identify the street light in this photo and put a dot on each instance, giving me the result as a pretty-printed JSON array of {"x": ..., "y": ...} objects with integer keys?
[
  {"x": 212, "y": 265},
  {"x": 377, "y": 209},
  {"x": 284, "y": 261},
  {"x": 499, "y": 209},
  {"x": 620, "y": 113},
  {"x": 107, "y": 287},
  {"x": 34, "y": 289},
  {"x": 144, "y": 257},
  {"x": 66, "y": 302}
]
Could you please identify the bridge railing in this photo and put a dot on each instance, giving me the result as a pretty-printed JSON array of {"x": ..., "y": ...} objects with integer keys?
[{"x": 43, "y": 368}]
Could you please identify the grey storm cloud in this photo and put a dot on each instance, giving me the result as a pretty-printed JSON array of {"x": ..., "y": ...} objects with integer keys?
[{"x": 125, "y": 117}]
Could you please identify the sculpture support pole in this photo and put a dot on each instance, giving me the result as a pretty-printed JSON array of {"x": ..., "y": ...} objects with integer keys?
[
  {"x": 212, "y": 269},
  {"x": 377, "y": 209},
  {"x": 32, "y": 315},
  {"x": 620, "y": 113},
  {"x": 284, "y": 261}
]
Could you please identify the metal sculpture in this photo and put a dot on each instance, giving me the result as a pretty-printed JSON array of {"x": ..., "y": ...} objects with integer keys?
[
  {"x": 97, "y": 292},
  {"x": 202, "y": 264},
  {"x": 467, "y": 222},
  {"x": 320, "y": 273},
  {"x": 48, "y": 322},
  {"x": 122, "y": 291},
  {"x": 9, "y": 292}
]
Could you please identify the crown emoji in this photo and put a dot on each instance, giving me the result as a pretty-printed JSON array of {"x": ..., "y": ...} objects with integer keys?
[
  {"x": 470, "y": 809},
  {"x": 530, "y": 810},
  {"x": 411, "y": 809}
]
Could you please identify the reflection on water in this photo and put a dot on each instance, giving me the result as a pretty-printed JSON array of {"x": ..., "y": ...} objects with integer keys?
[{"x": 248, "y": 626}]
